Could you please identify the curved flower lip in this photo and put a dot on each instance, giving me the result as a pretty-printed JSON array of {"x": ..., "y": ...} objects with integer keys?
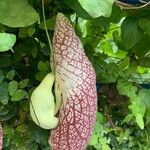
[{"x": 75, "y": 89}]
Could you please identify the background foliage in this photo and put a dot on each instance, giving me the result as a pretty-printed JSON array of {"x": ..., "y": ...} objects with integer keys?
[{"x": 117, "y": 44}]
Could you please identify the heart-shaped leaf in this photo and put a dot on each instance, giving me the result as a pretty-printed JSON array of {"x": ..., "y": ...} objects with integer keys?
[
  {"x": 97, "y": 8},
  {"x": 17, "y": 13},
  {"x": 7, "y": 41}
]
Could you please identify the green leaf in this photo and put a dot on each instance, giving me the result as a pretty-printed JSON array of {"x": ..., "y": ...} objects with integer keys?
[
  {"x": 145, "y": 62},
  {"x": 33, "y": 146},
  {"x": 4, "y": 96},
  {"x": 144, "y": 23},
  {"x": 31, "y": 31},
  {"x": 107, "y": 48},
  {"x": 26, "y": 31},
  {"x": 43, "y": 66},
  {"x": 94, "y": 139},
  {"x": 120, "y": 54},
  {"x": 23, "y": 32},
  {"x": 142, "y": 47},
  {"x": 39, "y": 135},
  {"x": 10, "y": 75},
  {"x": 145, "y": 98},
  {"x": 4, "y": 111},
  {"x": 128, "y": 118},
  {"x": 138, "y": 110},
  {"x": 118, "y": 40},
  {"x": 7, "y": 116},
  {"x": 17, "y": 13},
  {"x": 2, "y": 76},
  {"x": 140, "y": 121},
  {"x": 124, "y": 63},
  {"x": 23, "y": 83},
  {"x": 50, "y": 23},
  {"x": 12, "y": 87},
  {"x": 40, "y": 76},
  {"x": 7, "y": 41},
  {"x": 130, "y": 33},
  {"x": 75, "y": 5},
  {"x": 27, "y": 47},
  {"x": 141, "y": 69},
  {"x": 22, "y": 128},
  {"x": 8, "y": 131},
  {"x": 104, "y": 143},
  {"x": 18, "y": 95},
  {"x": 100, "y": 118},
  {"x": 97, "y": 8}
]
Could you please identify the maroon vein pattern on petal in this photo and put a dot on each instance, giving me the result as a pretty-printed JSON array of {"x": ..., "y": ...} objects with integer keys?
[{"x": 75, "y": 78}]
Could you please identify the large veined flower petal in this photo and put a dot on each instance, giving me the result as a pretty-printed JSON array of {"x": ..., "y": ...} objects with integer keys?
[{"x": 75, "y": 90}]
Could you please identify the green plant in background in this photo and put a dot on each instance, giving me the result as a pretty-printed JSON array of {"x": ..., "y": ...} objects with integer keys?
[{"x": 117, "y": 44}]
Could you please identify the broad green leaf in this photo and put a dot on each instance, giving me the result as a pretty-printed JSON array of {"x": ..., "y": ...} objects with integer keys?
[
  {"x": 105, "y": 147},
  {"x": 138, "y": 110},
  {"x": 18, "y": 95},
  {"x": 2, "y": 27},
  {"x": 126, "y": 88},
  {"x": 26, "y": 31},
  {"x": 2, "y": 76},
  {"x": 39, "y": 135},
  {"x": 120, "y": 54},
  {"x": 12, "y": 87},
  {"x": 4, "y": 96},
  {"x": 31, "y": 31},
  {"x": 140, "y": 121},
  {"x": 145, "y": 62},
  {"x": 7, "y": 41},
  {"x": 97, "y": 8},
  {"x": 17, "y": 13},
  {"x": 23, "y": 128},
  {"x": 50, "y": 23},
  {"x": 94, "y": 139},
  {"x": 33, "y": 145},
  {"x": 107, "y": 48},
  {"x": 118, "y": 40},
  {"x": 10, "y": 75},
  {"x": 40, "y": 76},
  {"x": 144, "y": 23},
  {"x": 145, "y": 98},
  {"x": 7, "y": 116},
  {"x": 128, "y": 118},
  {"x": 104, "y": 143},
  {"x": 130, "y": 33},
  {"x": 124, "y": 63},
  {"x": 27, "y": 47},
  {"x": 23, "y": 32},
  {"x": 8, "y": 130},
  {"x": 141, "y": 69},
  {"x": 23, "y": 83},
  {"x": 43, "y": 66},
  {"x": 4, "y": 111},
  {"x": 75, "y": 5},
  {"x": 100, "y": 118},
  {"x": 142, "y": 47}
]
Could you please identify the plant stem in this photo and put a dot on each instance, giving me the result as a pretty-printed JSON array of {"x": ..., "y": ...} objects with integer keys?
[{"x": 48, "y": 37}]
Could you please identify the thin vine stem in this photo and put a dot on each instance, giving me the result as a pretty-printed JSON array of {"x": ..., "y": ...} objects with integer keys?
[{"x": 45, "y": 26}]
